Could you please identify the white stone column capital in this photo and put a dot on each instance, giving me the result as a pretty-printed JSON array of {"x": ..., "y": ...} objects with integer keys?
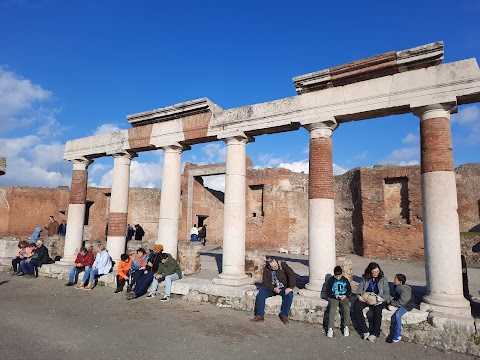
[
  {"x": 81, "y": 164},
  {"x": 124, "y": 154},
  {"x": 435, "y": 111},
  {"x": 323, "y": 129},
  {"x": 240, "y": 139},
  {"x": 176, "y": 148}
]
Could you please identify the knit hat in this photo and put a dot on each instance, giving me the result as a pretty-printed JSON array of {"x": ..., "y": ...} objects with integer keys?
[
  {"x": 158, "y": 247},
  {"x": 337, "y": 270}
]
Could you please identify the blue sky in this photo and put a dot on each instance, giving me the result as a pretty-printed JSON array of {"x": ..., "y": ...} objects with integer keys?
[{"x": 75, "y": 69}]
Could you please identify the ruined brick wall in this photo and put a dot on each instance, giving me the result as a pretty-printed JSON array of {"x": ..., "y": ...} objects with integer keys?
[
  {"x": 392, "y": 212},
  {"x": 468, "y": 195}
]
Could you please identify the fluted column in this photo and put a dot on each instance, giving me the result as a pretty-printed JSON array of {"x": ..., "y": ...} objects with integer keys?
[
  {"x": 117, "y": 217},
  {"x": 170, "y": 199},
  {"x": 76, "y": 211},
  {"x": 234, "y": 219},
  {"x": 321, "y": 211},
  {"x": 441, "y": 231}
]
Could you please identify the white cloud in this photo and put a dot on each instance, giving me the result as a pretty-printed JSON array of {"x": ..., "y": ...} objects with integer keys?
[
  {"x": 268, "y": 160},
  {"x": 404, "y": 154},
  {"x": 296, "y": 166},
  {"x": 215, "y": 153},
  {"x": 411, "y": 139},
  {"x": 361, "y": 155},
  {"x": 215, "y": 182},
  {"x": 467, "y": 115},
  {"x": 106, "y": 128}
]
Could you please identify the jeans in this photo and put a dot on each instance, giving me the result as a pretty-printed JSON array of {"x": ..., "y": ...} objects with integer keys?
[
  {"x": 87, "y": 276},
  {"x": 168, "y": 283},
  {"x": 333, "y": 309},
  {"x": 74, "y": 271},
  {"x": 375, "y": 323},
  {"x": 193, "y": 237},
  {"x": 32, "y": 265},
  {"x": 265, "y": 293},
  {"x": 397, "y": 321},
  {"x": 135, "y": 275},
  {"x": 23, "y": 266},
  {"x": 143, "y": 283}
]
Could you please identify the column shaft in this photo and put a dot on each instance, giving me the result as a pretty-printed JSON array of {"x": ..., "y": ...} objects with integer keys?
[
  {"x": 440, "y": 217},
  {"x": 234, "y": 220},
  {"x": 76, "y": 211},
  {"x": 321, "y": 212},
  {"x": 117, "y": 218},
  {"x": 170, "y": 200}
]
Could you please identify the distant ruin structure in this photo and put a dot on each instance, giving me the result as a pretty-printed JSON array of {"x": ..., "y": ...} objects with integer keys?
[{"x": 3, "y": 165}]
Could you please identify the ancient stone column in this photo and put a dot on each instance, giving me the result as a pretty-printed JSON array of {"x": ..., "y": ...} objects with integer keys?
[
  {"x": 170, "y": 199},
  {"x": 321, "y": 212},
  {"x": 76, "y": 211},
  {"x": 117, "y": 218},
  {"x": 234, "y": 220},
  {"x": 441, "y": 231}
]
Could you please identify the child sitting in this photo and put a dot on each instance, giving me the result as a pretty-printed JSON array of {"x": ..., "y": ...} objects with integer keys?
[
  {"x": 124, "y": 267},
  {"x": 21, "y": 254},
  {"x": 402, "y": 302},
  {"x": 338, "y": 292}
]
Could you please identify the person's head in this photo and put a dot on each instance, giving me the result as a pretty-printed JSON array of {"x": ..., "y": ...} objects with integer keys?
[
  {"x": 157, "y": 248},
  {"x": 39, "y": 242},
  {"x": 22, "y": 244},
  {"x": 141, "y": 251},
  {"x": 101, "y": 247},
  {"x": 64, "y": 222},
  {"x": 32, "y": 245},
  {"x": 136, "y": 226},
  {"x": 83, "y": 251},
  {"x": 373, "y": 271},
  {"x": 124, "y": 257},
  {"x": 51, "y": 218},
  {"x": 163, "y": 258},
  {"x": 338, "y": 272},
  {"x": 194, "y": 225},
  {"x": 400, "y": 279},
  {"x": 272, "y": 264}
]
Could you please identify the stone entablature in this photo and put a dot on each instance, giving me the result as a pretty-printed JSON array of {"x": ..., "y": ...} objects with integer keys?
[{"x": 3, "y": 165}]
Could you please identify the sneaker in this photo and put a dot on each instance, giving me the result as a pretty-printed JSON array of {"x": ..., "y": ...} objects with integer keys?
[
  {"x": 79, "y": 286},
  {"x": 165, "y": 298},
  {"x": 330, "y": 333},
  {"x": 20, "y": 274},
  {"x": 365, "y": 336},
  {"x": 372, "y": 338},
  {"x": 131, "y": 297},
  {"x": 69, "y": 284},
  {"x": 151, "y": 296},
  {"x": 14, "y": 273},
  {"x": 346, "y": 332},
  {"x": 117, "y": 291},
  {"x": 397, "y": 338}
]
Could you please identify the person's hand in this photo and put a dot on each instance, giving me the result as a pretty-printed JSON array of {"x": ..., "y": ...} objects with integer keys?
[
  {"x": 360, "y": 297},
  {"x": 28, "y": 260},
  {"x": 287, "y": 291},
  {"x": 145, "y": 272},
  {"x": 94, "y": 267},
  {"x": 464, "y": 270},
  {"x": 277, "y": 290},
  {"x": 157, "y": 276},
  {"x": 149, "y": 264},
  {"x": 341, "y": 297}
]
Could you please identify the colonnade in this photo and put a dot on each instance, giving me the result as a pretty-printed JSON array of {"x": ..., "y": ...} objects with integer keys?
[{"x": 441, "y": 227}]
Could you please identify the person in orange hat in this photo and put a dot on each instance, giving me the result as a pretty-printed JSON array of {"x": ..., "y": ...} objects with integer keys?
[{"x": 147, "y": 277}]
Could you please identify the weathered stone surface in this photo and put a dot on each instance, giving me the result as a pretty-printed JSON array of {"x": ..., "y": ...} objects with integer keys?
[
  {"x": 3, "y": 165},
  {"x": 450, "y": 323},
  {"x": 189, "y": 257}
]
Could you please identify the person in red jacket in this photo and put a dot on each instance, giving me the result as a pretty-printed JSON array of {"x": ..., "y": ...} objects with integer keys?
[{"x": 83, "y": 262}]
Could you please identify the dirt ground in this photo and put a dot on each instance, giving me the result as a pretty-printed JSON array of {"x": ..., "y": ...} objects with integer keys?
[{"x": 43, "y": 319}]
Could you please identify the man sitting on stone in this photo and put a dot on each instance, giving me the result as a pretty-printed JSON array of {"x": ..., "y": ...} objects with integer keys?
[
  {"x": 38, "y": 259},
  {"x": 278, "y": 279},
  {"x": 83, "y": 262}
]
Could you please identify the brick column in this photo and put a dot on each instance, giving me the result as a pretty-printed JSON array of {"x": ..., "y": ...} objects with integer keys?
[
  {"x": 76, "y": 211},
  {"x": 234, "y": 220},
  {"x": 321, "y": 212},
  {"x": 117, "y": 218},
  {"x": 170, "y": 199},
  {"x": 441, "y": 231}
]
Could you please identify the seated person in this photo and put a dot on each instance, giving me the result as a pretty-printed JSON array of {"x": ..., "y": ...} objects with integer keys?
[
  {"x": 101, "y": 266},
  {"x": 147, "y": 275},
  {"x": 338, "y": 291},
  {"x": 402, "y": 302},
  {"x": 28, "y": 255},
  {"x": 168, "y": 270},
  {"x": 39, "y": 258},
  {"x": 21, "y": 254},
  {"x": 83, "y": 262},
  {"x": 139, "y": 263},
  {"x": 123, "y": 268}
]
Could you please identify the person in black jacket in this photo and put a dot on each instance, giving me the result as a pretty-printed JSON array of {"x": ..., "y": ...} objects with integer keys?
[
  {"x": 38, "y": 259},
  {"x": 139, "y": 233},
  {"x": 147, "y": 277},
  {"x": 338, "y": 292},
  {"x": 278, "y": 279}
]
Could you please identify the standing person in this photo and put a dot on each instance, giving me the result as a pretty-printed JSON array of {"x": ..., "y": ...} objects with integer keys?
[
  {"x": 139, "y": 233},
  {"x": 168, "y": 270},
  {"x": 373, "y": 281},
  {"x": 402, "y": 302},
  {"x": 22, "y": 253},
  {"x": 338, "y": 292},
  {"x": 39, "y": 258},
  {"x": 130, "y": 232},
  {"x": 62, "y": 228},
  {"x": 36, "y": 235},
  {"x": 124, "y": 267},
  {"x": 466, "y": 292},
  {"x": 194, "y": 233},
  {"x": 202, "y": 235},
  {"x": 147, "y": 275},
  {"x": 52, "y": 226},
  {"x": 101, "y": 266},
  {"x": 278, "y": 279},
  {"x": 83, "y": 262}
]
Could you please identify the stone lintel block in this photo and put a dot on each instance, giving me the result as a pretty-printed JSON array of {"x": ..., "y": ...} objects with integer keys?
[
  {"x": 317, "y": 80},
  {"x": 176, "y": 111},
  {"x": 420, "y": 56},
  {"x": 3, "y": 165}
]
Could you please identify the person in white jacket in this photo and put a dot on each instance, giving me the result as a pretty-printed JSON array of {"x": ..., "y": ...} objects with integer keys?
[{"x": 101, "y": 266}]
